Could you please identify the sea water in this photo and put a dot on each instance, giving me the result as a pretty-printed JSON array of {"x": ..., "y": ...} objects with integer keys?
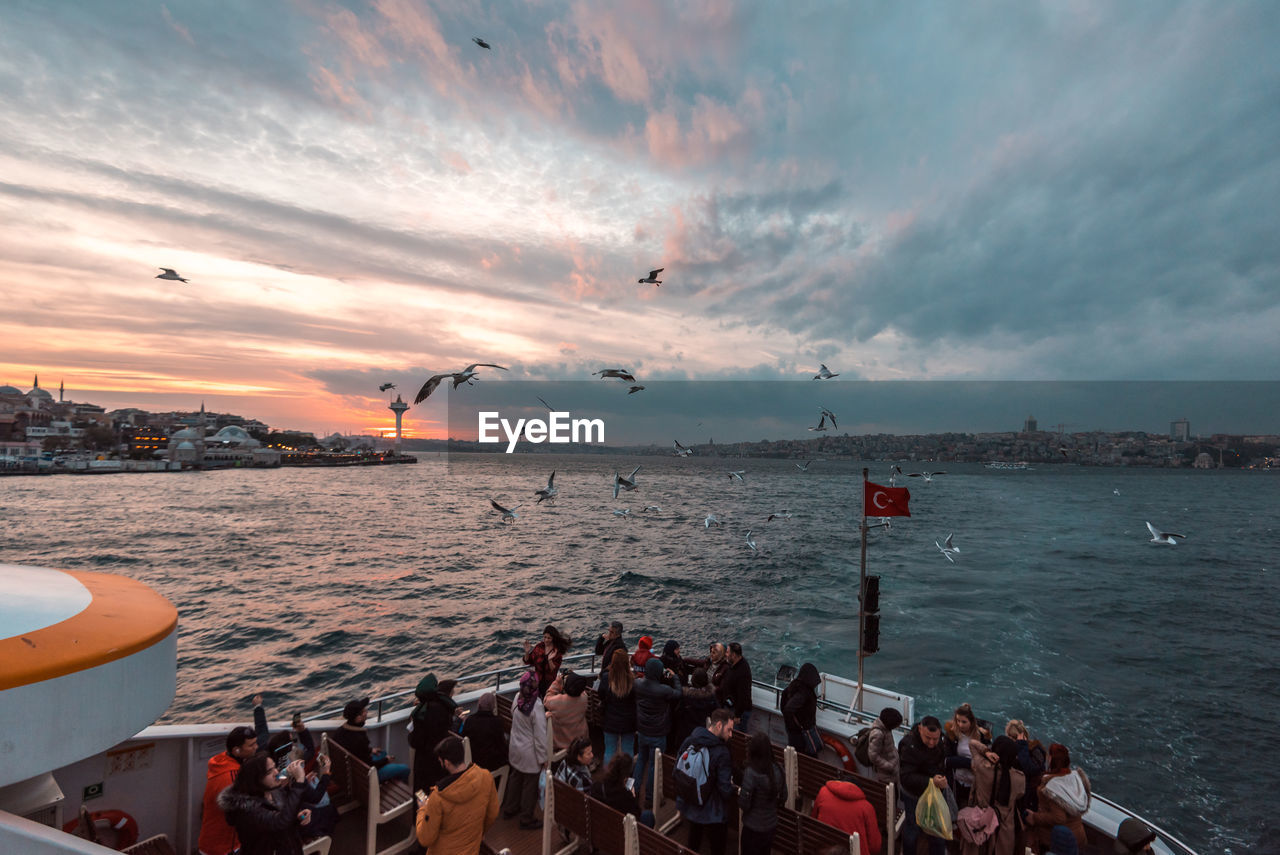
[{"x": 1154, "y": 664}]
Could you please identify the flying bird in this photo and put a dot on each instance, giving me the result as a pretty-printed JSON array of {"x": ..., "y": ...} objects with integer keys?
[
  {"x": 824, "y": 373},
  {"x": 652, "y": 278},
  {"x": 822, "y": 423},
  {"x": 481, "y": 42},
  {"x": 628, "y": 483},
  {"x": 170, "y": 273},
  {"x": 805, "y": 467},
  {"x": 647, "y": 508},
  {"x": 710, "y": 521},
  {"x": 783, "y": 514},
  {"x": 622, "y": 512},
  {"x": 545, "y": 404},
  {"x": 385, "y": 386},
  {"x": 1158, "y": 536},
  {"x": 750, "y": 542},
  {"x": 681, "y": 451},
  {"x": 620, "y": 373},
  {"x": 947, "y": 548},
  {"x": 736, "y": 475},
  {"x": 548, "y": 493},
  {"x": 459, "y": 377},
  {"x": 508, "y": 514},
  {"x": 927, "y": 476},
  {"x": 635, "y": 389}
]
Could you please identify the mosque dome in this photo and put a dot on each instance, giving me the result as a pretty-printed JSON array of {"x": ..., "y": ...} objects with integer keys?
[
  {"x": 10, "y": 390},
  {"x": 186, "y": 445},
  {"x": 235, "y": 435},
  {"x": 39, "y": 393},
  {"x": 186, "y": 433}
]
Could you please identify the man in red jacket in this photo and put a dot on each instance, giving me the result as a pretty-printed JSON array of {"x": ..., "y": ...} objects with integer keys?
[
  {"x": 843, "y": 804},
  {"x": 216, "y": 836}
]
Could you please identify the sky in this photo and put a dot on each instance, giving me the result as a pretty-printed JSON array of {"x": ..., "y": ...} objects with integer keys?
[{"x": 359, "y": 194}]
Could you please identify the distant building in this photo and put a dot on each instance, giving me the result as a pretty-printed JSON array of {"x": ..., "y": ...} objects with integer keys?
[
  {"x": 1180, "y": 430},
  {"x": 1030, "y": 425}
]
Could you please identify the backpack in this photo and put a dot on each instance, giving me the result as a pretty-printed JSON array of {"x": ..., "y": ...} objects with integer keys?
[
  {"x": 692, "y": 775},
  {"x": 862, "y": 747}
]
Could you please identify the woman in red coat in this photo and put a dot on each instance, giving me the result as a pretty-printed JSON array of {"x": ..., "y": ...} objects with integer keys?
[{"x": 843, "y": 805}]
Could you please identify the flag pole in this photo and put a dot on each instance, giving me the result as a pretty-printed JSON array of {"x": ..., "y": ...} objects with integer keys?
[{"x": 862, "y": 587}]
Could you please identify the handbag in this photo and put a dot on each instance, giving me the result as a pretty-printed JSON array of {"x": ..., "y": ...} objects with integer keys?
[{"x": 812, "y": 741}]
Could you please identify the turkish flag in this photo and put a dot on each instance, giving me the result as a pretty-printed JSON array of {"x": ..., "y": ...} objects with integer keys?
[{"x": 879, "y": 501}]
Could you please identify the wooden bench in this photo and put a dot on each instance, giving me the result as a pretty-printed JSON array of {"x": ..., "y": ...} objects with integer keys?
[
  {"x": 653, "y": 842},
  {"x": 804, "y": 835},
  {"x": 812, "y": 774},
  {"x": 504, "y": 710},
  {"x": 382, "y": 802},
  {"x": 157, "y": 845},
  {"x": 606, "y": 828},
  {"x": 595, "y": 709}
]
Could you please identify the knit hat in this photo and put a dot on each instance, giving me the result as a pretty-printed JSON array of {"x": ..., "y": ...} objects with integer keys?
[
  {"x": 354, "y": 708},
  {"x": 426, "y": 686},
  {"x": 1133, "y": 835},
  {"x": 891, "y": 717},
  {"x": 575, "y": 684},
  {"x": 646, "y": 642}
]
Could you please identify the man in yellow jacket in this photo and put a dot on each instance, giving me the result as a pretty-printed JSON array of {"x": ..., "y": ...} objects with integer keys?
[{"x": 460, "y": 807}]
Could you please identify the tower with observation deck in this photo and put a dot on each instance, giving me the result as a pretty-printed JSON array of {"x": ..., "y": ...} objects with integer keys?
[{"x": 398, "y": 406}]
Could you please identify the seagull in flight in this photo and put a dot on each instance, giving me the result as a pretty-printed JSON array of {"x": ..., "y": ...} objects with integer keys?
[
  {"x": 635, "y": 389},
  {"x": 805, "y": 467},
  {"x": 783, "y": 514},
  {"x": 822, "y": 423},
  {"x": 481, "y": 42},
  {"x": 508, "y": 514},
  {"x": 681, "y": 451},
  {"x": 648, "y": 508},
  {"x": 1116, "y": 490},
  {"x": 893, "y": 475},
  {"x": 652, "y": 278},
  {"x": 751, "y": 542},
  {"x": 548, "y": 493},
  {"x": 710, "y": 521},
  {"x": 927, "y": 476},
  {"x": 830, "y": 415},
  {"x": 947, "y": 548},
  {"x": 170, "y": 273},
  {"x": 824, "y": 373},
  {"x": 736, "y": 475},
  {"x": 385, "y": 386},
  {"x": 620, "y": 373},
  {"x": 622, "y": 512},
  {"x": 628, "y": 483},
  {"x": 545, "y": 404},
  {"x": 1158, "y": 536},
  {"x": 459, "y": 377}
]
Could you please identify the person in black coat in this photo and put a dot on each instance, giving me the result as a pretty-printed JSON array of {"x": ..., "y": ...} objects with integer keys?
[
  {"x": 432, "y": 720},
  {"x": 487, "y": 733},
  {"x": 696, "y": 703},
  {"x": 265, "y": 811},
  {"x": 675, "y": 663},
  {"x": 606, "y": 644},
  {"x": 921, "y": 757},
  {"x": 800, "y": 709},
  {"x": 735, "y": 687}
]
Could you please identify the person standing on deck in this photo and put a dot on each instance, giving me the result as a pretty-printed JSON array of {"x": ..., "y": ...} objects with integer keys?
[
  {"x": 881, "y": 747},
  {"x": 217, "y": 837},
  {"x": 735, "y": 688},
  {"x": 606, "y": 644},
  {"x": 461, "y": 806},
  {"x": 431, "y": 720},
  {"x": 527, "y": 752},
  {"x": 487, "y": 734},
  {"x": 655, "y": 693},
  {"x": 800, "y": 710},
  {"x": 711, "y": 817},
  {"x": 547, "y": 656},
  {"x": 921, "y": 757}
]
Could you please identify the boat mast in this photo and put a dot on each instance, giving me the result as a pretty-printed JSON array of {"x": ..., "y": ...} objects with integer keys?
[{"x": 862, "y": 589}]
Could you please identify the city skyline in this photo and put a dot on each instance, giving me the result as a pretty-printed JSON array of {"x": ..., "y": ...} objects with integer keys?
[{"x": 358, "y": 194}]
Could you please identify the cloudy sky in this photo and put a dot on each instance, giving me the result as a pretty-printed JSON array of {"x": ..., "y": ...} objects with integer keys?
[{"x": 358, "y": 193}]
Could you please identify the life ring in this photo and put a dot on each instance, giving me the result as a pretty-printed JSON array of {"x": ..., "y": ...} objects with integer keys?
[
  {"x": 842, "y": 750},
  {"x": 123, "y": 826}
]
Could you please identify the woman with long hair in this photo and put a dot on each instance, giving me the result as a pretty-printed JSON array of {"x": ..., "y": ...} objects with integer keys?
[
  {"x": 957, "y": 733},
  {"x": 1007, "y": 784},
  {"x": 265, "y": 808},
  {"x": 763, "y": 787},
  {"x": 618, "y": 707},
  {"x": 1065, "y": 794},
  {"x": 546, "y": 656}
]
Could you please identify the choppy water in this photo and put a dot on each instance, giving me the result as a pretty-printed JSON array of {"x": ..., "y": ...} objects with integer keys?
[{"x": 1156, "y": 665}]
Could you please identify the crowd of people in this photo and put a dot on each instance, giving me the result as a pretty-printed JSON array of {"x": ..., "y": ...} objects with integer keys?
[{"x": 267, "y": 794}]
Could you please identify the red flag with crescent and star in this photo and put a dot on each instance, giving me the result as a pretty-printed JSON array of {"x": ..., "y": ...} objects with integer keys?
[{"x": 881, "y": 501}]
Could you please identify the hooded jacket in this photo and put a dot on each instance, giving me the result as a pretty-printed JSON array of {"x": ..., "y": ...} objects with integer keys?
[
  {"x": 265, "y": 826},
  {"x": 217, "y": 837},
  {"x": 528, "y": 749},
  {"x": 758, "y": 797},
  {"x": 800, "y": 700},
  {"x": 1063, "y": 801},
  {"x": 711, "y": 811},
  {"x": 457, "y": 812},
  {"x": 644, "y": 652},
  {"x": 674, "y": 661},
  {"x": 432, "y": 720},
  {"x": 883, "y": 752},
  {"x": 653, "y": 701},
  {"x": 843, "y": 804}
]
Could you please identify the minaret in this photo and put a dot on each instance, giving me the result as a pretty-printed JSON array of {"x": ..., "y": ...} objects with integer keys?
[
  {"x": 398, "y": 407},
  {"x": 61, "y": 389}
]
